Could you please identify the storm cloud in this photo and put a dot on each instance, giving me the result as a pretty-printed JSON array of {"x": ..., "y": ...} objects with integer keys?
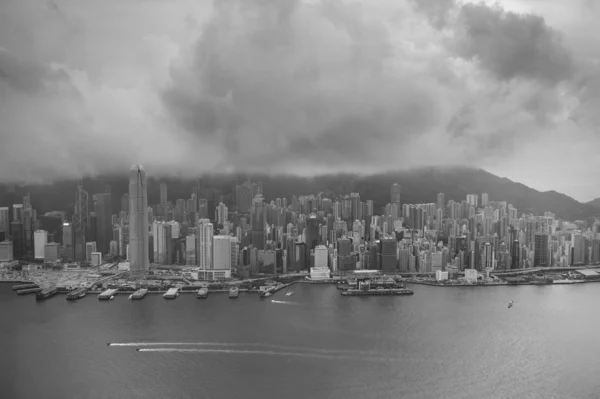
[{"x": 188, "y": 87}]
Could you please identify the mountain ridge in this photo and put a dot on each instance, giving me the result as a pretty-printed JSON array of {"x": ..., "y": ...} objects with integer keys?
[{"x": 418, "y": 186}]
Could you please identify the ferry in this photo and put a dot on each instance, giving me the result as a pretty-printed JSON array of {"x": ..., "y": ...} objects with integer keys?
[
  {"x": 172, "y": 293},
  {"x": 45, "y": 294},
  {"x": 234, "y": 292},
  {"x": 139, "y": 294},
  {"x": 567, "y": 281},
  {"x": 510, "y": 304},
  {"x": 202, "y": 293},
  {"x": 76, "y": 294},
  {"x": 108, "y": 294},
  {"x": 289, "y": 293}
]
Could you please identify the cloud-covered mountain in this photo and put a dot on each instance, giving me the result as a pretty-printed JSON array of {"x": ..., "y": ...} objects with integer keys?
[{"x": 310, "y": 87}]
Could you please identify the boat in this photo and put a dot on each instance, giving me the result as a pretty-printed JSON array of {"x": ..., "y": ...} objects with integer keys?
[
  {"x": 289, "y": 293},
  {"x": 202, "y": 293},
  {"x": 567, "y": 281},
  {"x": 139, "y": 294},
  {"x": 234, "y": 292},
  {"x": 510, "y": 304},
  {"x": 377, "y": 292},
  {"x": 76, "y": 294},
  {"x": 45, "y": 294}
]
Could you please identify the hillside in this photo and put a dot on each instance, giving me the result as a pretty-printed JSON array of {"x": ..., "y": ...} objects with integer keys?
[{"x": 420, "y": 185}]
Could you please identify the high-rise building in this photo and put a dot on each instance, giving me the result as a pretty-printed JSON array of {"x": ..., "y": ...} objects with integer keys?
[
  {"x": 221, "y": 253},
  {"x": 484, "y": 199},
  {"x": 6, "y": 251},
  {"x": 540, "y": 255},
  {"x": 103, "y": 211},
  {"x": 472, "y": 199},
  {"x": 205, "y": 231},
  {"x": 163, "y": 193},
  {"x": 138, "y": 221},
  {"x": 40, "y": 239},
  {"x": 17, "y": 211},
  {"x": 4, "y": 223},
  {"x": 395, "y": 191},
  {"x": 68, "y": 243},
  {"x": 441, "y": 202},
  {"x": 222, "y": 214}
]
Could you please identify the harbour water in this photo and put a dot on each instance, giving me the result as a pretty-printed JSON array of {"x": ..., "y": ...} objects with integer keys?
[{"x": 451, "y": 343}]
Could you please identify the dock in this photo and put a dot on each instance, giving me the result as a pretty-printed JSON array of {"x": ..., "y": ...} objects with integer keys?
[
  {"x": 27, "y": 291},
  {"x": 377, "y": 292},
  {"x": 47, "y": 293},
  {"x": 108, "y": 294},
  {"x": 172, "y": 293},
  {"x": 76, "y": 294},
  {"x": 24, "y": 286},
  {"x": 139, "y": 294}
]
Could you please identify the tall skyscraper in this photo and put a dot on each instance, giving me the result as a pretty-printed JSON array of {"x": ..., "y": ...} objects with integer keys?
[
  {"x": 103, "y": 211},
  {"x": 163, "y": 193},
  {"x": 138, "y": 221},
  {"x": 395, "y": 193}
]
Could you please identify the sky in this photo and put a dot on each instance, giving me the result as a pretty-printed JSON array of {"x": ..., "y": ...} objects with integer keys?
[{"x": 187, "y": 87}]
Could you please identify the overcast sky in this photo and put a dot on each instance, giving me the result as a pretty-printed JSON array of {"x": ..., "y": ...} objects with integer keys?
[{"x": 185, "y": 86}]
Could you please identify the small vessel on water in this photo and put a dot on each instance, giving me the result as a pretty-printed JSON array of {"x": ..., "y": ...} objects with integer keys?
[
  {"x": 289, "y": 293},
  {"x": 76, "y": 294},
  {"x": 510, "y": 304},
  {"x": 234, "y": 292},
  {"x": 202, "y": 293},
  {"x": 139, "y": 294}
]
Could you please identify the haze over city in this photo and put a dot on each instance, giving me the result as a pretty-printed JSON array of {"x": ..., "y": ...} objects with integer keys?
[{"x": 187, "y": 87}]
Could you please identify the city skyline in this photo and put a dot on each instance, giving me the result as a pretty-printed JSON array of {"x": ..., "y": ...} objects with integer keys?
[{"x": 388, "y": 97}]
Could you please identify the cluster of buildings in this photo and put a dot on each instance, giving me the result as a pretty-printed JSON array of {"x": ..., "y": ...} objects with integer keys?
[{"x": 250, "y": 236}]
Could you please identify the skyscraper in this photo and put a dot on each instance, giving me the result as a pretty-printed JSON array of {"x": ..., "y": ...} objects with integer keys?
[
  {"x": 395, "y": 193},
  {"x": 103, "y": 211},
  {"x": 138, "y": 220},
  {"x": 163, "y": 193}
]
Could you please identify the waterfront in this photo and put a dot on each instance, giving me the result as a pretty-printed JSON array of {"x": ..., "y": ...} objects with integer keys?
[{"x": 459, "y": 343}]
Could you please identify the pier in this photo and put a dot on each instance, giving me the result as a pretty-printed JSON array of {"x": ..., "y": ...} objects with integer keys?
[
  {"x": 108, "y": 294},
  {"x": 47, "y": 293},
  {"x": 27, "y": 291},
  {"x": 172, "y": 293},
  {"x": 139, "y": 294},
  {"x": 377, "y": 292},
  {"x": 24, "y": 286}
]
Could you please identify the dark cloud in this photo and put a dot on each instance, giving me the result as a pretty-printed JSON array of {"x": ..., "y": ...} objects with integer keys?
[
  {"x": 512, "y": 45},
  {"x": 186, "y": 87}
]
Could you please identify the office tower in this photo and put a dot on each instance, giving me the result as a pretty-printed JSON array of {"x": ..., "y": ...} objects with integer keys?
[
  {"x": 540, "y": 255},
  {"x": 440, "y": 201},
  {"x": 243, "y": 197},
  {"x": 40, "y": 239},
  {"x": 81, "y": 216},
  {"x": 163, "y": 193},
  {"x": 395, "y": 194},
  {"x": 89, "y": 248},
  {"x": 388, "y": 250},
  {"x": 190, "y": 250},
  {"x": 162, "y": 234},
  {"x": 138, "y": 221},
  {"x": 222, "y": 213},
  {"x": 68, "y": 243},
  {"x": 311, "y": 234},
  {"x": 103, "y": 211},
  {"x": 6, "y": 251},
  {"x": 221, "y": 253},
  {"x": 17, "y": 210},
  {"x": 579, "y": 248},
  {"x": 4, "y": 223}
]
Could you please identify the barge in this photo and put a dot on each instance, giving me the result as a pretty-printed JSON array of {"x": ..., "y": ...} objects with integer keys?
[
  {"x": 45, "y": 294},
  {"x": 139, "y": 294},
  {"x": 172, "y": 293},
  {"x": 202, "y": 293},
  {"x": 76, "y": 294}
]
